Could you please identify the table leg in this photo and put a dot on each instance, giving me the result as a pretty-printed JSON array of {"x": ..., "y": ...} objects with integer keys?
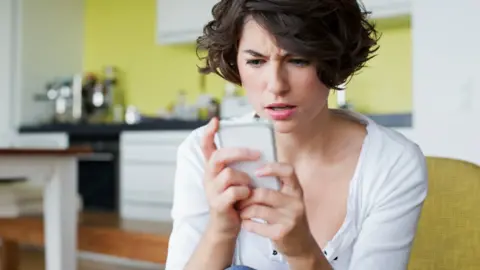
[
  {"x": 60, "y": 216},
  {"x": 10, "y": 255}
]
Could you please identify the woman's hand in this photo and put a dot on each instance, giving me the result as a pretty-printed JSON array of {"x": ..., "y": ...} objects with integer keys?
[
  {"x": 224, "y": 186},
  {"x": 284, "y": 212}
]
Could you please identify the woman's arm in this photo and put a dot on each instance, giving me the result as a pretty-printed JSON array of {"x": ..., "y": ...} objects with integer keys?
[
  {"x": 195, "y": 246},
  {"x": 387, "y": 234},
  {"x": 193, "y": 243},
  {"x": 206, "y": 224},
  {"x": 215, "y": 251}
]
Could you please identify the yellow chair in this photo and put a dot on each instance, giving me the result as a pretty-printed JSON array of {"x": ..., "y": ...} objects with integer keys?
[{"x": 448, "y": 235}]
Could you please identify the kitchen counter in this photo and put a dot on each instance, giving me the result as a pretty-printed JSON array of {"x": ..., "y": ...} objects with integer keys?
[
  {"x": 397, "y": 120},
  {"x": 388, "y": 120},
  {"x": 112, "y": 128}
]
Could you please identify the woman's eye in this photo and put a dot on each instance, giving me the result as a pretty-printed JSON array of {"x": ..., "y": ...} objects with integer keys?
[
  {"x": 255, "y": 62},
  {"x": 300, "y": 62}
]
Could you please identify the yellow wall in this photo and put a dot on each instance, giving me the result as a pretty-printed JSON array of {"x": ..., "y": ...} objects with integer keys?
[
  {"x": 385, "y": 85},
  {"x": 122, "y": 33}
]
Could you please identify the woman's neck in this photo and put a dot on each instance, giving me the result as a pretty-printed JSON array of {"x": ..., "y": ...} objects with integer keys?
[{"x": 312, "y": 137}]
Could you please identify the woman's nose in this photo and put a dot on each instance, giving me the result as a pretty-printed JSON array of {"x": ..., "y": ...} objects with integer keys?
[{"x": 277, "y": 81}]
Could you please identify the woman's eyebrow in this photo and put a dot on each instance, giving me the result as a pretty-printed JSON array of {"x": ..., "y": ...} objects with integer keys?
[{"x": 257, "y": 54}]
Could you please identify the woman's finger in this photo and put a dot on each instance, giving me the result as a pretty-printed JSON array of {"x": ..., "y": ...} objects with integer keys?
[
  {"x": 230, "y": 196},
  {"x": 208, "y": 140},
  {"x": 284, "y": 172},
  {"x": 224, "y": 156},
  {"x": 265, "y": 196},
  {"x": 274, "y": 231},
  {"x": 268, "y": 214},
  {"x": 230, "y": 177}
]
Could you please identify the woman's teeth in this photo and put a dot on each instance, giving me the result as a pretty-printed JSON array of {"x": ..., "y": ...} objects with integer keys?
[{"x": 281, "y": 108}]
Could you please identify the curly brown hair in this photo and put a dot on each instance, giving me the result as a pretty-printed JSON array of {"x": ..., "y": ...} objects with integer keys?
[{"x": 334, "y": 34}]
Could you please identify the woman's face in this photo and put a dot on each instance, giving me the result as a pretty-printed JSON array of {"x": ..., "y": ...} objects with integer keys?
[{"x": 282, "y": 87}]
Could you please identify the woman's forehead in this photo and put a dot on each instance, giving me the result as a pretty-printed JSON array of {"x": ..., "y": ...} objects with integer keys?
[{"x": 255, "y": 37}]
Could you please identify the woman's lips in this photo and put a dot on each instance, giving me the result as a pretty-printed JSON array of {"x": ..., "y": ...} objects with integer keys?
[{"x": 280, "y": 113}]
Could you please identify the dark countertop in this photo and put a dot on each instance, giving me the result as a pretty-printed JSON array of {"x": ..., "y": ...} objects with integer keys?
[
  {"x": 113, "y": 128},
  {"x": 397, "y": 120},
  {"x": 388, "y": 120}
]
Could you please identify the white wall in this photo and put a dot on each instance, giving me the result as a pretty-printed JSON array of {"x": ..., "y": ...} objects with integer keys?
[
  {"x": 6, "y": 73},
  {"x": 446, "y": 80},
  {"x": 50, "y": 45}
]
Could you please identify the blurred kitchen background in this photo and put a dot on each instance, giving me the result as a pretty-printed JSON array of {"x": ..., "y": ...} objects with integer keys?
[{"x": 121, "y": 76}]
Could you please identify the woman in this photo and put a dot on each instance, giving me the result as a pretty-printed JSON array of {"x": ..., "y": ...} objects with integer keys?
[{"x": 352, "y": 190}]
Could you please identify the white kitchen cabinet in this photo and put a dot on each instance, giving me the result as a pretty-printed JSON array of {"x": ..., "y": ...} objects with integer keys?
[
  {"x": 6, "y": 71},
  {"x": 387, "y": 8},
  {"x": 39, "y": 41},
  {"x": 56, "y": 140},
  {"x": 147, "y": 171},
  {"x": 182, "y": 21}
]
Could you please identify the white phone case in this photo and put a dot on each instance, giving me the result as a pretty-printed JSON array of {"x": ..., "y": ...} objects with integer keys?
[{"x": 254, "y": 134}]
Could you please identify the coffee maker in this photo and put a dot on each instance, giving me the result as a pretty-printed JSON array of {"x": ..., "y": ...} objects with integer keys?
[
  {"x": 96, "y": 99},
  {"x": 80, "y": 98},
  {"x": 66, "y": 96}
]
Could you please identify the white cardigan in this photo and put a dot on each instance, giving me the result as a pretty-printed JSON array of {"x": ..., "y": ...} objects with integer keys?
[{"x": 386, "y": 196}]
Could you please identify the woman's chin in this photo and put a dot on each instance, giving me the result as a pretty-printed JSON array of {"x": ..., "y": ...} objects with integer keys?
[
  {"x": 284, "y": 126},
  {"x": 281, "y": 126}
]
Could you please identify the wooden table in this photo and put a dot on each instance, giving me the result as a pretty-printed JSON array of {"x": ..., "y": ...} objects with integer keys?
[{"x": 57, "y": 170}]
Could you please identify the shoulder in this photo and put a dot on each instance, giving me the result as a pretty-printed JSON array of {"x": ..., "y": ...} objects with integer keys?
[
  {"x": 393, "y": 149},
  {"x": 385, "y": 145},
  {"x": 386, "y": 149},
  {"x": 393, "y": 166}
]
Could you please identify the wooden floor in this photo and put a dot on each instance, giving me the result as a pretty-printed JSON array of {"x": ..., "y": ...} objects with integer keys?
[
  {"x": 98, "y": 233},
  {"x": 34, "y": 260}
]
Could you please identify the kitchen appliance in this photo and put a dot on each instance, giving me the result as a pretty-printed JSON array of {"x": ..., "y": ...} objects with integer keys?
[
  {"x": 81, "y": 98},
  {"x": 235, "y": 107},
  {"x": 233, "y": 104},
  {"x": 96, "y": 99},
  {"x": 98, "y": 173},
  {"x": 66, "y": 97}
]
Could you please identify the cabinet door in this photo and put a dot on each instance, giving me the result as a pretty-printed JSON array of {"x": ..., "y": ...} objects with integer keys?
[
  {"x": 147, "y": 171},
  {"x": 182, "y": 21},
  {"x": 41, "y": 140},
  {"x": 387, "y": 8},
  {"x": 6, "y": 71}
]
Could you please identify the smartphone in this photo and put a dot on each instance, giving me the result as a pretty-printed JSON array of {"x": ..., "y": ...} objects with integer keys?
[{"x": 255, "y": 134}]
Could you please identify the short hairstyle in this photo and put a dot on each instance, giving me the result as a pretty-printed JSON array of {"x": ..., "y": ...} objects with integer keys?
[{"x": 336, "y": 35}]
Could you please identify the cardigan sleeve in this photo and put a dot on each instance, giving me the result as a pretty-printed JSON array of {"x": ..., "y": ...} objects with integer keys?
[
  {"x": 387, "y": 233},
  {"x": 190, "y": 206}
]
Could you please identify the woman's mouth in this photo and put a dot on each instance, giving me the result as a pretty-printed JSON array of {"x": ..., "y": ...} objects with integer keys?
[{"x": 280, "y": 111}]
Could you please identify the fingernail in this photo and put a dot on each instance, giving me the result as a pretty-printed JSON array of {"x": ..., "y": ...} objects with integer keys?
[
  {"x": 211, "y": 124},
  {"x": 260, "y": 172}
]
